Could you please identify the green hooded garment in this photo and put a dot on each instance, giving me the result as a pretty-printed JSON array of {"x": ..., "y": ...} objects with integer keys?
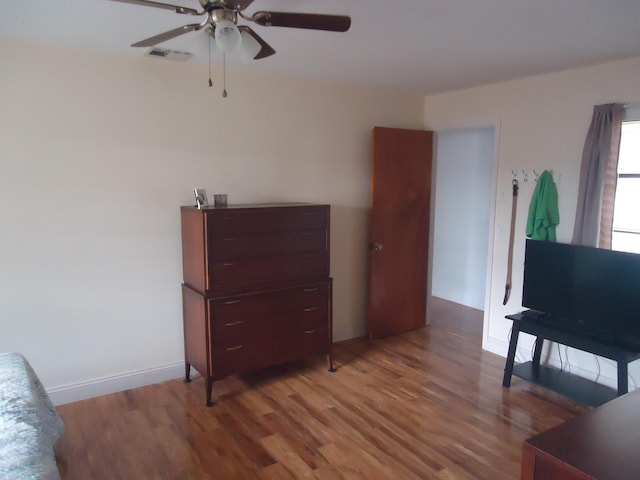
[{"x": 543, "y": 210}]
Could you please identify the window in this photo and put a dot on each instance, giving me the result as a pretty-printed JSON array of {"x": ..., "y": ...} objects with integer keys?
[{"x": 626, "y": 213}]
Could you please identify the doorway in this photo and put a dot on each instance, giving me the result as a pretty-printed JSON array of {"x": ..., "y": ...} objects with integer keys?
[{"x": 462, "y": 231}]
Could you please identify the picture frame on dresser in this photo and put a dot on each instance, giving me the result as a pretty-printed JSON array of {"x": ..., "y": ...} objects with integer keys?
[
  {"x": 256, "y": 287},
  {"x": 220, "y": 200},
  {"x": 201, "y": 197}
]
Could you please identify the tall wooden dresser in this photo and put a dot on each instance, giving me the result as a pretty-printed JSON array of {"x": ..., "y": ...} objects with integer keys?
[{"x": 256, "y": 289}]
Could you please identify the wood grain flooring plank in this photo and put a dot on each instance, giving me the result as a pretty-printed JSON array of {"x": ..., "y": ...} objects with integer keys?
[{"x": 427, "y": 404}]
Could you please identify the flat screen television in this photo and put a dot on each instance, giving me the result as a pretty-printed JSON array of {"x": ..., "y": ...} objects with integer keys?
[{"x": 589, "y": 291}]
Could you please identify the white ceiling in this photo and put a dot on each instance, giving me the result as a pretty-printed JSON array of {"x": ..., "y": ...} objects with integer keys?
[{"x": 423, "y": 45}]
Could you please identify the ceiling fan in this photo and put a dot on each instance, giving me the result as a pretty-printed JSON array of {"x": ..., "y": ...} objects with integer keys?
[{"x": 221, "y": 23}]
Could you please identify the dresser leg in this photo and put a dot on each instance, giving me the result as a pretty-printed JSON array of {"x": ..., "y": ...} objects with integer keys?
[
  {"x": 209, "y": 391},
  {"x": 330, "y": 363},
  {"x": 187, "y": 372}
]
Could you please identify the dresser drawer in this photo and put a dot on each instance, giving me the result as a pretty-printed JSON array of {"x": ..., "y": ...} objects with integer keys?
[
  {"x": 269, "y": 269},
  {"x": 235, "y": 330},
  {"x": 241, "y": 307},
  {"x": 246, "y": 356},
  {"x": 266, "y": 244},
  {"x": 281, "y": 313},
  {"x": 251, "y": 221}
]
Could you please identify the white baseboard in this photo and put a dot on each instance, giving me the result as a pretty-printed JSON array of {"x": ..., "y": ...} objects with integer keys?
[
  {"x": 115, "y": 383},
  {"x": 493, "y": 345}
]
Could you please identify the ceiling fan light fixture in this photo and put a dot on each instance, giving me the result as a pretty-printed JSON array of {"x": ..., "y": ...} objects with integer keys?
[
  {"x": 227, "y": 35},
  {"x": 222, "y": 17},
  {"x": 249, "y": 47}
]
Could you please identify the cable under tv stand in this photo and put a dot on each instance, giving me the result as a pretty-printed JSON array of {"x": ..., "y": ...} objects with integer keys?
[{"x": 572, "y": 386}]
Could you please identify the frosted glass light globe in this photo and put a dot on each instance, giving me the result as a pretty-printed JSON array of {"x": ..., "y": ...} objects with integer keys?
[{"x": 227, "y": 35}]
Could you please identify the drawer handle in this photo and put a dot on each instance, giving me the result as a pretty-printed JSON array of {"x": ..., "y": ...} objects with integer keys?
[
  {"x": 232, "y": 324},
  {"x": 232, "y": 302},
  {"x": 311, "y": 289},
  {"x": 230, "y": 264},
  {"x": 311, "y": 309},
  {"x": 231, "y": 349},
  {"x": 229, "y": 240},
  {"x": 229, "y": 218},
  {"x": 309, "y": 332}
]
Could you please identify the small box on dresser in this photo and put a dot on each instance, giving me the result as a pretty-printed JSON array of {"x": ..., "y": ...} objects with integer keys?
[{"x": 257, "y": 290}]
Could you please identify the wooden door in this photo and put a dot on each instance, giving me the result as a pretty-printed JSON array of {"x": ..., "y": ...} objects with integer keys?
[{"x": 399, "y": 230}]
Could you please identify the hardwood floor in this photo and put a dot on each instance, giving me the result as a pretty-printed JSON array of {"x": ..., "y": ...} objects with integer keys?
[{"x": 427, "y": 404}]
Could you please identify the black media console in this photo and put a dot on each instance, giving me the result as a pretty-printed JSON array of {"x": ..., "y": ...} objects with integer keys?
[{"x": 575, "y": 387}]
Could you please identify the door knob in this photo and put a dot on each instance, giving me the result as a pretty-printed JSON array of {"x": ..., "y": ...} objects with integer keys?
[{"x": 376, "y": 247}]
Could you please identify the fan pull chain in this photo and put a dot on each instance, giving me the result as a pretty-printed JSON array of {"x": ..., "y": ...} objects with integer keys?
[
  {"x": 210, "y": 81},
  {"x": 224, "y": 75}
]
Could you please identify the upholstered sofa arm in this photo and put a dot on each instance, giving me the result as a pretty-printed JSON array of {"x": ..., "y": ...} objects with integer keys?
[{"x": 29, "y": 424}]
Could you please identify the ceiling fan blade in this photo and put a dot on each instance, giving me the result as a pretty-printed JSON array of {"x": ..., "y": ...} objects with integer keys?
[
  {"x": 176, "y": 32},
  {"x": 266, "y": 49},
  {"x": 313, "y": 21},
  {"x": 166, "y": 6},
  {"x": 238, "y": 5}
]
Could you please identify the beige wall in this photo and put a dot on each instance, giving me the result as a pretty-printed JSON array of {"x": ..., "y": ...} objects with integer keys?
[
  {"x": 96, "y": 155},
  {"x": 98, "y": 152},
  {"x": 542, "y": 122}
]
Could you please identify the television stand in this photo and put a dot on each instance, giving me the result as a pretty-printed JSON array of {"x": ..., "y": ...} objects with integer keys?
[{"x": 575, "y": 387}]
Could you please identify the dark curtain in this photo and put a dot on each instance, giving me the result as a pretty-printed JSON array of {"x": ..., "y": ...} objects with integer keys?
[{"x": 598, "y": 177}]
